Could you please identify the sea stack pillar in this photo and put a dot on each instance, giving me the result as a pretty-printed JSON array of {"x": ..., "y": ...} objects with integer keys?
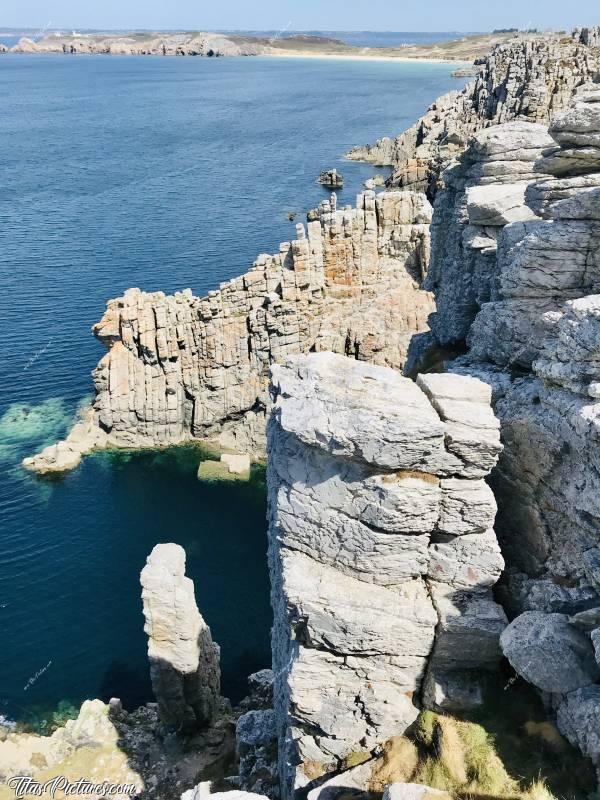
[{"x": 184, "y": 660}]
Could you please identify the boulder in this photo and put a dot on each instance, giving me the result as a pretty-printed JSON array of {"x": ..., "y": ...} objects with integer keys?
[
  {"x": 331, "y": 178},
  {"x": 577, "y": 718},
  {"x": 549, "y": 652},
  {"x": 352, "y": 783}
]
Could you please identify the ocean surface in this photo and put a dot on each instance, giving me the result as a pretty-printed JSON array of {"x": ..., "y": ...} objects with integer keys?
[{"x": 162, "y": 173}]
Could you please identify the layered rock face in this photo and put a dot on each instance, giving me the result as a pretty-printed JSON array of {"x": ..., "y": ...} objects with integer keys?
[
  {"x": 382, "y": 554},
  {"x": 184, "y": 660},
  {"x": 531, "y": 78},
  {"x": 520, "y": 285},
  {"x": 182, "y": 367}
]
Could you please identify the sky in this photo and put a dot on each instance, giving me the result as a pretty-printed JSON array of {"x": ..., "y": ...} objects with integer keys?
[{"x": 373, "y": 15}]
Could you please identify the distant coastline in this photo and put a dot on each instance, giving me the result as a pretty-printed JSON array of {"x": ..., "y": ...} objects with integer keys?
[{"x": 462, "y": 50}]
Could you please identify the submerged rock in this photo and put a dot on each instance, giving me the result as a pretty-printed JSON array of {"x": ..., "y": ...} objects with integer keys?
[{"x": 231, "y": 467}]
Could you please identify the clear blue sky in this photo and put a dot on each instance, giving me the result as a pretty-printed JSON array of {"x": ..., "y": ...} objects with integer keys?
[{"x": 390, "y": 15}]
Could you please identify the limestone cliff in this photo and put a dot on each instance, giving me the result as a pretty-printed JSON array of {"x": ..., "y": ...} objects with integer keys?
[
  {"x": 516, "y": 275},
  {"x": 382, "y": 554},
  {"x": 530, "y": 78},
  {"x": 182, "y": 367}
]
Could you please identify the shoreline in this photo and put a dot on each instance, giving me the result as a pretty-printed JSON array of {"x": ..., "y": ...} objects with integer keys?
[
  {"x": 315, "y": 56},
  {"x": 344, "y": 57}
]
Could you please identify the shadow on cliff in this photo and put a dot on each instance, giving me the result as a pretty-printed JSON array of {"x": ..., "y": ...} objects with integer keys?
[
  {"x": 526, "y": 741},
  {"x": 131, "y": 686},
  {"x": 169, "y": 761}
]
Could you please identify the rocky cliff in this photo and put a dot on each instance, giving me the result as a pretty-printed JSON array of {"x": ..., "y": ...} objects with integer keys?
[
  {"x": 182, "y": 367},
  {"x": 382, "y": 554},
  {"x": 516, "y": 275},
  {"x": 530, "y": 78},
  {"x": 376, "y": 484}
]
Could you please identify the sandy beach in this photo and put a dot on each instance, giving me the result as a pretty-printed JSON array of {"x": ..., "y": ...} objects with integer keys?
[{"x": 368, "y": 57}]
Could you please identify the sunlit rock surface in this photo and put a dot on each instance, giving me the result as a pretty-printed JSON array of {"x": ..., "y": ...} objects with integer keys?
[
  {"x": 531, "y": 79},
  {"x": 382, "y": 553},
  {"x": 180, "y": 367}
]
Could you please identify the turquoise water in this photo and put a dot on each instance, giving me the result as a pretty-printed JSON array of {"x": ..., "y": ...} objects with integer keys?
[{"x": 163, "y": 174}]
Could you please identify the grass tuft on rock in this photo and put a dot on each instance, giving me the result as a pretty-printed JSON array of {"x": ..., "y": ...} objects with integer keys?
[{"x": 506, "y": 750}]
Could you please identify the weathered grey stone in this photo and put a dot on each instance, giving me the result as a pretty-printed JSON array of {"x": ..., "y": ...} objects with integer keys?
[
  {"x": 549, "y": 652},
  {"x": 472, "y": 432},
  {"x": 571, "y": 355},
  {"x": 411, "y": 791},
  {"x": 586, "y": 619},
  {"x": 578, "y": 719},
  {"x": 184, "y": 660},
  {"x": 466, "y": 507},
  {"x": 202, "y": 792},
  {"x": 595, "y": 637},
  {"x": 350, "y": 783},
  {"x": 452, "y": 691},
  {"x": 358, "y": 459},
  {"x": 468, "y": 561},
  {"x": 256, "y": 748},
  {"x": 255, "y": 728},
  {"x": 469, "y": 628},
  {"x": 358, "y": 411},
  {"x": 497, "y": 205}
]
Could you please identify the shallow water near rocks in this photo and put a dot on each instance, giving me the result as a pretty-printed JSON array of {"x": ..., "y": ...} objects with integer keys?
[{"x": 164, "y": 174}]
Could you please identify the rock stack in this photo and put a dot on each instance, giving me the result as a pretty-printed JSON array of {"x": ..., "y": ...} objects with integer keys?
[
  {"x": 382, "y": 554},
  {"x": 531, "y": 78},
  {"x": 331, "y": 178},
  {"x": 184, "y": 660},
  {"x": 182, "y": 367},
  {"x": 529, "y": 314}
]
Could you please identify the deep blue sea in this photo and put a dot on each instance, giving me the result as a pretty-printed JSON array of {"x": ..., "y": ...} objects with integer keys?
[{"x": 162, "y": 173}]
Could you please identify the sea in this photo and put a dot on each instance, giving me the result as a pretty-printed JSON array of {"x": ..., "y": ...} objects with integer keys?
[{"x": 160, "y": 173}]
